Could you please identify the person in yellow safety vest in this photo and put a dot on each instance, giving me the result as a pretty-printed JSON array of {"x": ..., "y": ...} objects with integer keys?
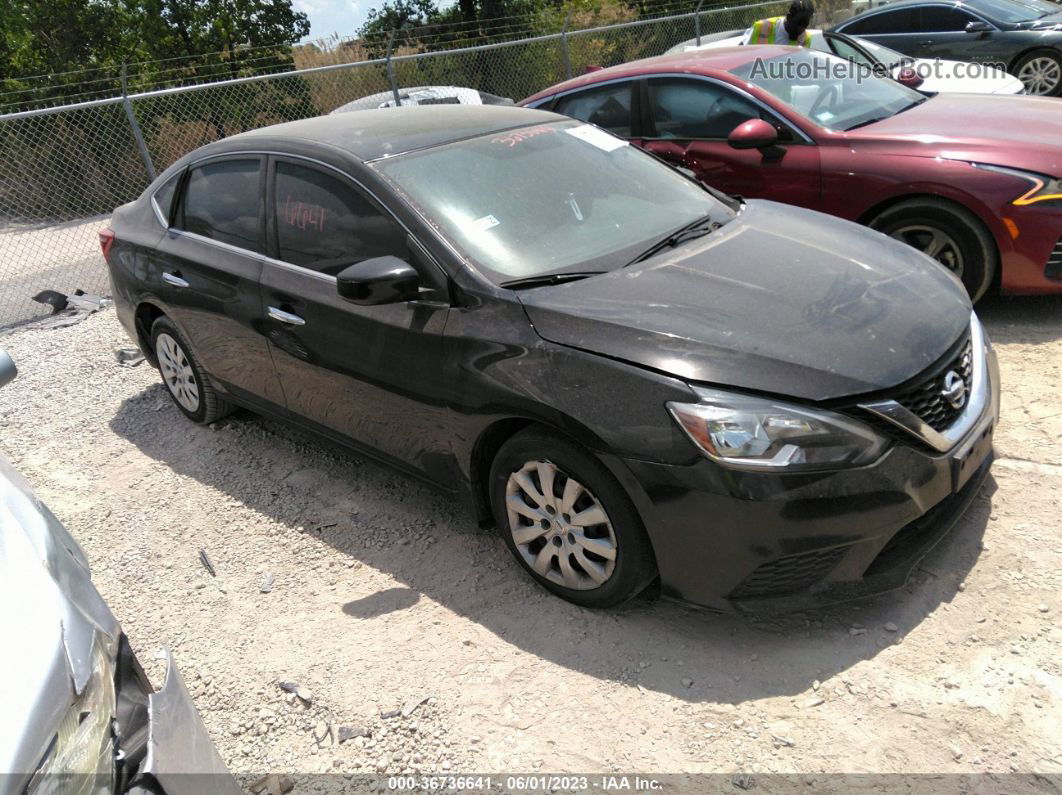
[{"x": 791, "y": 29}]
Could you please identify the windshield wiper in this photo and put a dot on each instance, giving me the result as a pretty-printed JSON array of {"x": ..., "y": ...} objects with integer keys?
[
  {"x": 544, "y": 279},
  {"x": 700, "y": 227}
]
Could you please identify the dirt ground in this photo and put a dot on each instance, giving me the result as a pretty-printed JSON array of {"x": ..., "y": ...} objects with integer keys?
[{"x": 385, "y": 593}]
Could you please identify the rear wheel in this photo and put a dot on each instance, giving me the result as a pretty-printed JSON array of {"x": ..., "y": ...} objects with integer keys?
[
  {"x": 949, "y": 234},
  {"x": 568, "y": 521},
  {"x": 1041, "y": 72},
  {"x": 184, "y": 377}
]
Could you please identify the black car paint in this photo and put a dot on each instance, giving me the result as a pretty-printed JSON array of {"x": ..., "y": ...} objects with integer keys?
[
  {"x": 435, "y": 385},
  {"x": 1006, "y": 44}
]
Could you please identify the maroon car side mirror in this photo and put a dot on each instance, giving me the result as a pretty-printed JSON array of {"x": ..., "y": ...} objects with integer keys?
[
  {"x": 753, "y": 134},
  {"x": 909, "y": 77}
]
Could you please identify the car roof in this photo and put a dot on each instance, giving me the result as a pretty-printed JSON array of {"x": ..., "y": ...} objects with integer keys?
[
  {"x": 369, "y": 134},
  {"x": 706, "y": 62}
]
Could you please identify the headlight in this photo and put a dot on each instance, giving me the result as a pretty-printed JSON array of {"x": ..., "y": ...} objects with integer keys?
[
  {"x": 1041, "y": 188},
  {"x": 81, "y": 758},
  {"x": 761, "y": 434}
]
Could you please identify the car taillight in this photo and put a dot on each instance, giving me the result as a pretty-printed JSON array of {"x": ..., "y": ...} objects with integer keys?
[{"x": 106, "y": 241}]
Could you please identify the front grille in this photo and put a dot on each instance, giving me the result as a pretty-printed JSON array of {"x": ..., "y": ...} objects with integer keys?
[
  {"x": 789, "y": 574},
  {"x": 926, "y": 400},
  {"x": 1053, "y": 269}
]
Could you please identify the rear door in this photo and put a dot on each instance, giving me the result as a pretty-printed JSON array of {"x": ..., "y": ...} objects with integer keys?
[
  {"x": 945, "y": 36},
  {"x": 688, "y": 121},
  {"x": 373, "y": 375},
  {"x": 206, "y": 271},
  {"x": 896, "y": 28}
]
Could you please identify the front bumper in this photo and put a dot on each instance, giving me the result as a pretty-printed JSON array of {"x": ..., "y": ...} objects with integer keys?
[
  {"x": 179, "y": 756},
  {"x": 741, "y": 541}
]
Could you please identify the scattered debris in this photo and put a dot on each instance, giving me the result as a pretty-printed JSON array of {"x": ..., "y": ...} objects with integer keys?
[
  {"x": 322, "y": 733},
  {"x": 687, "y": 683},
  {"x": 812, "y": 702},
  {"x": 857, "y": 631},
  {"x": 273, "y": 784},
  {"x": 204, "y": 558},
  {"x": 67, "y": 309},
  {"x": 411, "y": 706},
  {"x": 350, "y": 732},
  {"x": 742, "y": 781},
  {"x": 394, "y": 713},
  {"x": 267, "y": 583},
  {"x": 304, "y": 693},
  {"x": 890, "y": 627},
  {"x": 129, "y": 357}
]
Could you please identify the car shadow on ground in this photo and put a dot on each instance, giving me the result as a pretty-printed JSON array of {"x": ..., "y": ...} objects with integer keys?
[
  {"x": 429, "y": 543},
  {"x": 1024, "y": 320}
]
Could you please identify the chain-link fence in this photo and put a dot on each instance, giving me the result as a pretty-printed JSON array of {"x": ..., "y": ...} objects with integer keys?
[{"x": 62, "y": 170}]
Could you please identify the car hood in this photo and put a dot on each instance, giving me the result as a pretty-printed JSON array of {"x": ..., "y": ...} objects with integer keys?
[
  {"x": 1021, "y": 132},
  {"x": 49, "y": 647},
  {"x": 780, "y": 300},
  {"x": 950, "y": 76}
]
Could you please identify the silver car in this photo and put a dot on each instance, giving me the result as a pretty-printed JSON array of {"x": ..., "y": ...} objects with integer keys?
[{"x": 79, "y": 715}]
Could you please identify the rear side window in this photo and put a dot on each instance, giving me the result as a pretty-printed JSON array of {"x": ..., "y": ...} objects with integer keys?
[
  {"x": 942, "y": 19},
  {"x": 325, "y": 224},
  {"x": 609, "y": 107},
  {"x": 163, "y": 197},
  {"x": 221, "y": 203},
  {"x": 899, "y": 21},
  {"x": 684, "y": 108}
]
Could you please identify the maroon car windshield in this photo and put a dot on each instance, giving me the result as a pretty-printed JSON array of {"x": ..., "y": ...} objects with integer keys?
[{"x": 832, "y": 92}]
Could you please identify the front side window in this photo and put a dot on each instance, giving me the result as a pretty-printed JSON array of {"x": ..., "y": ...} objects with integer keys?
[
  {"x": 549, "y": 197},
  {"x": 221, "y": 202},
  {"x": 323, "y": 223},
  {"x": 609, "y": 107},
  {"x": 683, "y": 108},
  {"x": 942, "y": 19},
  {"x": 899, "y": 21}
]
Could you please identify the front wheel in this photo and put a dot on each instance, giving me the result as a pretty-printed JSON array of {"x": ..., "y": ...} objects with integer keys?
[
  {"x": 1041, "y": 72},
  {"x": 568, "y": 521},
  {"x": 950, "y": 234}
]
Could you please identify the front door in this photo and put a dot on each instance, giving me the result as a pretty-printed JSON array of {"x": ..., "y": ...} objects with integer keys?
[
  {"x": 365, "y": 373},
  {"x": 688, "y": 121}
]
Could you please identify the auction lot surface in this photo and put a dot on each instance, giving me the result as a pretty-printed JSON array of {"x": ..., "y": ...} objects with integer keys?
[{"x": 385, "y": 593}]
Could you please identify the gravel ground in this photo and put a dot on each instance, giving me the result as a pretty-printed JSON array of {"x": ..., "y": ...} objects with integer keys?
[{"x": 384, "y": 593}]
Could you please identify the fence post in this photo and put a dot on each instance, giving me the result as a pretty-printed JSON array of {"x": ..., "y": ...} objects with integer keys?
[
  {"x": 145, "y": 155},
  {"x": 391, "y": 70},
  {"x": 564, "y": 45},
  {"x": 697, "y": 22}
]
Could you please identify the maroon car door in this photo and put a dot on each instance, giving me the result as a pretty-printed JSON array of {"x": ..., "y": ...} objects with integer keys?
[{"x": 688, "y": 120}]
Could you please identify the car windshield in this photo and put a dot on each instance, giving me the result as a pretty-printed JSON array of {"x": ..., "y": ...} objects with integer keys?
[
  {"x": 549, "y": 198},
  {"x": 833, "y": 92},
  {"x": 1012, "y": 12}
]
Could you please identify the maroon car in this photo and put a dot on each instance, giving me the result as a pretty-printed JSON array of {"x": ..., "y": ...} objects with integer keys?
[{"x": 971, "y": 180}]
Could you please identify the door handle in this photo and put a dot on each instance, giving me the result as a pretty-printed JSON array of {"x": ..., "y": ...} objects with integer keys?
[
  {"x": 173, "y": 279},
  {"x": 285, "y": 317}
]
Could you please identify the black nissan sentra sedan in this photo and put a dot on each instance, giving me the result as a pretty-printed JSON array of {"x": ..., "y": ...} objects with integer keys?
[{"x": 634, "y": 377}]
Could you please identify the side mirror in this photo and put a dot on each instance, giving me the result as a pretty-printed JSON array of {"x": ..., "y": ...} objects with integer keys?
[
  {"x": 380, "y": 280},
  {"x": 909, "y": 77},
  {"x": 753, "y": 134},
  {"x": 978, "y": 26},
  {"x": 8, "y": 371}
]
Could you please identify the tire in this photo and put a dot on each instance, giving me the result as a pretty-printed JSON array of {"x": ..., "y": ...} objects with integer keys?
[
  {"x": 1042, "y": 73},
  {"x": 577, "y": 566},
  {"x": 967, "y": 248},
  {"x": 185, "y": 380}
]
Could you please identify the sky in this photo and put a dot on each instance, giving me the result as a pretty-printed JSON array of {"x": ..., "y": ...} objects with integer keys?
[{"x": 334, "y": 16}]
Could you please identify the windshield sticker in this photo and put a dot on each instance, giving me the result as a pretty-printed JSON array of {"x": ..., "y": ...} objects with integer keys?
[
  {"x": 485, "y": 223},
  {"x": 597, "y": 137},
  {"x": 511, "y": 139}
]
